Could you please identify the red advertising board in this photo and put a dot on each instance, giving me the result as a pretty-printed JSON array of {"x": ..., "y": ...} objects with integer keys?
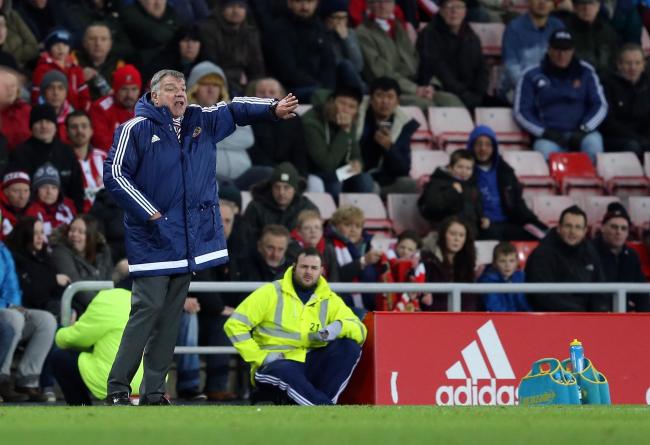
[{"x": 479, "y": 358}]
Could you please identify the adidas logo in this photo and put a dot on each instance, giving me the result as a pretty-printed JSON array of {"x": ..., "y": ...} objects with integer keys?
[
  {"x": 154, "y": 138},
  {"x": 482, "y": 359}
]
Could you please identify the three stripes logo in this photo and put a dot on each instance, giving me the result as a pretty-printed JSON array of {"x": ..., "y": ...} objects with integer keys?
[{"x": 483, "y": 361}]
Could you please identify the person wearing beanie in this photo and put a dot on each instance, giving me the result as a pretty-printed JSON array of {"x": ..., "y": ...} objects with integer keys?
[
  {"x": 44, "y": 147},
  {"x": 98, "y": 58},
  {"x": 54, "y": 92},
  {"x": 229, "y": 38},
  {"x": 278, "y": 200},
  {"x": 621, "y": 264},
  {"x": 14, "y": 199},
  {"x": 50, "y": 206},
  {"x": 57, "y": 57},
  {"x": 109, "y": 112}
]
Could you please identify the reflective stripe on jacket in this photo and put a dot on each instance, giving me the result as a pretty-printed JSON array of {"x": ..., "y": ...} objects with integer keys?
[{"x": 274, "y": 319}]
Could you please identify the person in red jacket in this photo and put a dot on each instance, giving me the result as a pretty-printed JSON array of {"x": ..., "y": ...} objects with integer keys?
[
  {"x": 110, "y": 111},
  {"x": 14, "y": 199},
  {"x": 57, "y": 57},
  {"x": 50, "y": 206},
  {"x": 14, "y": 112}
]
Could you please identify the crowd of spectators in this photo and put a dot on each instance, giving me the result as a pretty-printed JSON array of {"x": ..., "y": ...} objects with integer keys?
[{"x": 72, "y": 71}]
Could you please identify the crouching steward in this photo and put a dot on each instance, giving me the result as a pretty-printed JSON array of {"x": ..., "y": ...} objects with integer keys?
[{"x": 300, "y": 338}]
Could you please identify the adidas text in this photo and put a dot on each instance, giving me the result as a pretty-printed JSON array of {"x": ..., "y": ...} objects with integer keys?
[{"x": 473, "y": 394}]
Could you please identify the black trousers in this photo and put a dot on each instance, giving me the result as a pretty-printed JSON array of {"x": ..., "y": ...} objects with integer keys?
[{"x": 65, "y": 367}]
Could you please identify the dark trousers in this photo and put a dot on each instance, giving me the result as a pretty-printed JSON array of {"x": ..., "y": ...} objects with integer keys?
[
  {"x": 150, "y": 335},
  {"x": 65, "y": 367},
  {"x": 318, "y": 381}
]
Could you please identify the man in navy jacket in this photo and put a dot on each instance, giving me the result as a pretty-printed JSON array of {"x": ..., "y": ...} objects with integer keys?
[{"x": 160, "y": 169}]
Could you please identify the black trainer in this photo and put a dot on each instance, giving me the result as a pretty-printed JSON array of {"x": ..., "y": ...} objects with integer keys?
[
  {"x": 161, "y": 401},
  {"x": 118, "y": 399}
]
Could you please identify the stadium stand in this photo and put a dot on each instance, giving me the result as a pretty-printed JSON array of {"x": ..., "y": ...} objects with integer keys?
[
  {"x": 246, "y": 198},
  {"x": 575, "y": 174},
  {"x": 595, "y": 207},
  {"x": 403, "y": 211},
  {"x": 524, "y": 249},
  {"x": 491, "y": 36},
  {"x": 639, "y": 210},
  {"x": 509, "y": 134},
  {"x": 532, "y": 171},
  {"x": 373, "y": 209},
  {"x": 422, "y": 139},
  {"x": 646, "y": 163},
  {"x": 622, "y": 173},
  {"x": 324, "y": 202},
  {"x": 425, "y": 162},
  {"x": 549, "y": 207},
  {"x": 450, "y": 127}
]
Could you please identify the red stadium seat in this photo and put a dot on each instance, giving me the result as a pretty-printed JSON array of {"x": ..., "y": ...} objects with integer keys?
[
  {"x": 575, "y": 174},
  {"x": 373, "y": 209},
  {"x": 548, "y": 208},
  {"x": 490, "y": 35},
  {"x": 524, "y": 249},
  {"x": 644, "y": 257},
  {"x": 324, "y": 202},
  {"x": 532, "y": 171},
  {"x": 425, "y": 162},
  {"x": 623, "y": 174},
  {"x": 595, "y": 207},
  {"x": 403, "y": 211},
  {"x": 639, "y": 209},
  {"x": 450, "y": 125},
  {"x": 422, "y": 139},
  {"x": 501, "y": 121}
]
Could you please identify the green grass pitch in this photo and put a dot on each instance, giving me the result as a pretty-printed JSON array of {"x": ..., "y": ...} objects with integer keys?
[{"x": 226, "y": 425}]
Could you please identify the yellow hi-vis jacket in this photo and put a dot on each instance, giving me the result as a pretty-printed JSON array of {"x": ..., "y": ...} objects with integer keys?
[{"x": 274, "y": 319}]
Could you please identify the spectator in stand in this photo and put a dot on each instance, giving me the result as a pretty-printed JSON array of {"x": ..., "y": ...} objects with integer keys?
[
  {"x": 561, "y": 102},
  {"x": 232, "y": 41},
  {"x": 154, "y": 27},
  {"x": 110, "y": 221},
  {"x": 6, "y": 59},
  {"x": 88, "y": 347},
  {"x": 297, "y": 51},
  {"x": 356, "y": 259},
  {"x": 269, "y": 261},
  {"x": 565, "y": 255},
  {"x": 504, "y": 269},
  {"x": 384, "y": 132},
  {"x": 627, "y": 126},
  {"x": 20, "y": 41},
  {"x": 332, "y": 147},
  {"x": 621, "y": 264},
  {"x": 595, "y": 40},
  {"x": 191, "y": 11},
  {"x": 44, "y": 147},
  {"x": 501, "y": 194},
  {"x": 453, "y": 190},
  {"x": 107, "y": 113},
  {"x": 32, "y": 327},
  {"x": 451, "y": 57},
  {"x": 14, "y": 199},
  {"x": 206, "y": 87},
  {"x": 40, "y": 283},
  {"x": 54, "y": 92},
  {"x": 41, "y": 16},
  {"x": 452, "y": 261},
  {"x": 388, "y": 51},
  {"x": 404, "y": 266},
  {"x": 98, "y": 59},
  {"x": 14, "y": 111},
  {"x": 280, "y": 141},
  {"x": 57, "y": 57},
  {"x": 80, "y": 252},
  {"x": 91, "y": 160},
  {"x": 189, "y": 50},
  {"x": 81, "y": 14},
  {"x": 309, "y": 233},
  {"x": 625, "y": 18},
  {"x": 277, "y": 201},
  {"x": 49, "y": 205},
  {"x": 525, "y": 42},
  {"x": 344, "y": 41}
]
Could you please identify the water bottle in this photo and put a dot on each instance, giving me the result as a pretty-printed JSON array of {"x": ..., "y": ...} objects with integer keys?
[{"x": 577, "y": 356}]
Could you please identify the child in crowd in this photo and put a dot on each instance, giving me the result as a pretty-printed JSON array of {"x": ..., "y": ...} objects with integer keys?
[
  {"x": 504, "y": 269},
  {"x": 57, "y": 57},
  {"x": 404, "y": 266},
  {"x": 309, "y": 233},
  {"x": 452, "y": 191},
  {"x": 50, "y": 206}
]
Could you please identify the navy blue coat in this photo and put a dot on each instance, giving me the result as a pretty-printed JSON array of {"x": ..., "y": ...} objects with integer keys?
[{"x": 147, "y": 171}]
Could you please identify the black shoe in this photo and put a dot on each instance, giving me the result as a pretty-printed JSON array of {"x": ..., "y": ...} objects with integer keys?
[
  {"x": 9, "y": 395},
  {"x": 118, "y": 399},
  {"x": 161, "y": 401},
  {"x": 34, "y": 394}
]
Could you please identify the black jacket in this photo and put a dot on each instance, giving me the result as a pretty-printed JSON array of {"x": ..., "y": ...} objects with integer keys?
[
  {"x": 276, "y": 142},
  {"x": 554, "y": 261},
  {"x": 629, "y": 108},
  {"x": 595, "y": 43},
  {"x": 110, "y": 217},
  {"x": 455, "y": 59},
  {"x": 33, "y": 153},
  {"x": 37, "y": 276},
  {"x": 440, "y": 199}
]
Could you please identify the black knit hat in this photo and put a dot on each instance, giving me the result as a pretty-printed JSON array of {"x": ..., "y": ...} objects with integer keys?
[
  {"x": 616, "y": 210},
  {"x": 42, "y": 112},
  {"x": 286, "y": 172}
]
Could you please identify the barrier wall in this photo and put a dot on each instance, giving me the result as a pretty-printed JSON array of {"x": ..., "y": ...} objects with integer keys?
[{"x": 479, "y": 358}]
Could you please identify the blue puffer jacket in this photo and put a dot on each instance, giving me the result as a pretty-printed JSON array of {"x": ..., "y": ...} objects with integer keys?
[
  {"x": 10, "y": 293},
  {"x": 560, "y": 99},
  {"x": 148, "y": 171}
]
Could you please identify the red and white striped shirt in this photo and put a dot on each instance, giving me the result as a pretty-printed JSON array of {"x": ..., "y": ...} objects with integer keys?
[{"x": 92, "y": 168}]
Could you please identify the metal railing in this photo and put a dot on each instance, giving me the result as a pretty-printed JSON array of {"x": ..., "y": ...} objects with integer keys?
[{"x": 454, "y": 291}]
